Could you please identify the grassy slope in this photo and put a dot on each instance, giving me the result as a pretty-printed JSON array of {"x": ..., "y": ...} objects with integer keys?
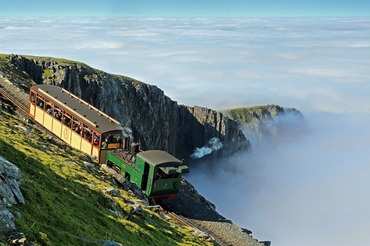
[
  {"x": 17, "y": 75},
  {"x": 247, "y": 114},
  {"x": 64, "y": 199}
]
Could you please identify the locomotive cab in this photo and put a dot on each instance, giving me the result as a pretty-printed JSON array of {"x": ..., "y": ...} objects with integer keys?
[
  {"x": 157, "y": 173},
  {"x": 165, "y": 171}
]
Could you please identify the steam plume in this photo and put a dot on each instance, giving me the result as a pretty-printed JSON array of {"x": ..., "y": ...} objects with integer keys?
[{"x": 213, "y": 145}]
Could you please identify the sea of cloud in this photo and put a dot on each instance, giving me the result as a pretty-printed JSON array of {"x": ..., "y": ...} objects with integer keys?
[
  {"x": 312, "y": 64},
  {"x": 305, "y": 189},
  {"x": 310, "y": 189}
]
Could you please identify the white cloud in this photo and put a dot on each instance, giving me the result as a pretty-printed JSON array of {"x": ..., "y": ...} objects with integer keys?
[
  {"x": 362, "y": 44},
  {"x": 254, "y": 60},
  {"x": 99, "y": 45},
  {"x": 303, "y": 190}
]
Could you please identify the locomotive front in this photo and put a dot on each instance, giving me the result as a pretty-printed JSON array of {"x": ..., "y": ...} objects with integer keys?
[{"x": 163, "y": 173}]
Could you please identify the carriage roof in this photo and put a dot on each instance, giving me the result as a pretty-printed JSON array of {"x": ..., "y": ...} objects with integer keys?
[
  {"x": 80, "y": 109},
  {"x": 156, "y": 157}
]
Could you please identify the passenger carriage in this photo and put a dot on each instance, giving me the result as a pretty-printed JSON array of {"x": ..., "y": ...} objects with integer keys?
[
  {"x": 88, "y": 129},
  {"x": 75, "y": 121}
]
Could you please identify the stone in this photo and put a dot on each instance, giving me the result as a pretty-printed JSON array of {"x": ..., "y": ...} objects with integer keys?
[
  {"x": 8, "y": 169},
  {"x": 165, "y": 217},
  {"x": 154, "y": 208},
  {"x": 126, "y": 185},
  {"x": 266, "y": 243},
  {"x": 90, "y": 165},
  {"x": 23, "y": 128},
  {"x": 138, "y": 209},
  {"x": 149, "y": 222},
  {"x": 17, "y": 238},
  {"x": 109, "y": 243},
  {"x": 112, "y": 192},
  {"x": 15, "y": 213},
  {"x": 6, "y": 221},
  {"x": 116, "y": 212},
  {"x": 9, "y": 187},
  {"x": 199, "y": 233},
  {"x": 246, "y": 231}
]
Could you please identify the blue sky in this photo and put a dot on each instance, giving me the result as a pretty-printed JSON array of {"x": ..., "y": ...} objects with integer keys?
[{"x": 190, "y": 8}]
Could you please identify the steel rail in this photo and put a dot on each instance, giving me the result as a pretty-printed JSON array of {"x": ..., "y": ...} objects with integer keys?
[
  {"x": 14, "y": 101},
  {"x": 188, "y": 222}
]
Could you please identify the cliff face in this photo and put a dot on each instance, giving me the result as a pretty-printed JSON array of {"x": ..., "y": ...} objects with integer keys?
[
  {"x": 152, "y": 117},
  {"x": 267, "y": 121}
]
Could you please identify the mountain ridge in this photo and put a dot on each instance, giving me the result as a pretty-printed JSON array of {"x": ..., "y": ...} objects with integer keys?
[
  {"x": 267, "y": 121},
  {"x": 153, "y": 119}
]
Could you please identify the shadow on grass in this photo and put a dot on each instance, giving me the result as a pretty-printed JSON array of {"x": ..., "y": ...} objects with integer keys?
[{"x": 60, "y": 211}]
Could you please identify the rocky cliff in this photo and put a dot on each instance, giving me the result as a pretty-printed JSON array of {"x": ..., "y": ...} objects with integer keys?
[
  {"x": 269, "y": 121},
  {"x": 151, "y": 117}
]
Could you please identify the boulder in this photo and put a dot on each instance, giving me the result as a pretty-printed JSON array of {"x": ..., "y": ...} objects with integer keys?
[
  {"x": 112, "y": 192},
  {"x": 17, "y": 238},
  {"x": 9, "y": 187},
  {"x": 6, "y": 221},
  {"x": 109, "y": 243},
  {"x": 9, "y": 194},
  {"x": 127, "y": 185}
]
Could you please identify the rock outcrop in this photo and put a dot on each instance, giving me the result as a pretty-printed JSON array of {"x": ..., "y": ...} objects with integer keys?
[
  {"x": 270, "y": 121},
  {"x": 9, "y": 194},
  {"x": 9, "y": 187},
  {"x": 152, "y": 118}
]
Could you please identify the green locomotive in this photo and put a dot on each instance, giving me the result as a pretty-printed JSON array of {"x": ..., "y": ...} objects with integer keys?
[{"x": 156, "y": 172}]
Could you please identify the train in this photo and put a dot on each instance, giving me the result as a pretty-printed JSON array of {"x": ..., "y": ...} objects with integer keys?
[{"x": 157, "y": 173}]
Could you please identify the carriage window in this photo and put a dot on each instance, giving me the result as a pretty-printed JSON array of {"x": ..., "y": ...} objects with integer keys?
[
  {"x": 115, "y": 138},
  {"x": 33, "y": 97},
  {"x": 49, "y": 107},
  {"x": 163, "y": 175},
  {"x": 40, "y": 101},
  {"x": 96, "y": 139},
  {"x": 77, "y": 126},
  {"x": 87, "y": 133},
  {"x": 67, "y": 119},
  {"x": 111, "y": 141},
  {"x": 58, "y": 113}
]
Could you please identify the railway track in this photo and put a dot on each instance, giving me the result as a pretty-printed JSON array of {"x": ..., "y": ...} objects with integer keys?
[
  {"x": 14, "y": 101},
  {"x": 190, "y": 223}
]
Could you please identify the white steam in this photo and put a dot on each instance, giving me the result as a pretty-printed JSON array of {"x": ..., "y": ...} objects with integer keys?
[
  {"x": 308, "y": 189},
  {"x": 213, "y": 145}
]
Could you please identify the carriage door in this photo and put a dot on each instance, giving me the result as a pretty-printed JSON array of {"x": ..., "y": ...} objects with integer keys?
[
  {"x": 144, "y": 180},
  {"x": 32, "y": 104},
  {"x": 96, "y": 144}
]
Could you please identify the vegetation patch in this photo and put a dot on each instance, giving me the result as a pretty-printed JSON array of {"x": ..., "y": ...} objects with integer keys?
[
  {"x": 248, "y": 114},
  {"x": 47, "y": 73},
  {"x": 65, "y": 202}
]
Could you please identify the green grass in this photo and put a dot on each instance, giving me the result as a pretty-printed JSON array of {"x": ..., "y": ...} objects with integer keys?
[
  {"x": 247, "y": 114},
  {"x": 47, "y": 73},
  {"x": 10, "y": 70},
  {"x": 64, "y": 198}
]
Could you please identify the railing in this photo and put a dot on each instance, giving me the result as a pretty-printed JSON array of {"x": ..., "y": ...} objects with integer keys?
[{"x": 14, "y": 101}]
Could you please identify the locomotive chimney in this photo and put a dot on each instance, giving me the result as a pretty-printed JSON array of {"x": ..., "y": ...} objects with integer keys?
[{"x": 135, "y": 148}]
